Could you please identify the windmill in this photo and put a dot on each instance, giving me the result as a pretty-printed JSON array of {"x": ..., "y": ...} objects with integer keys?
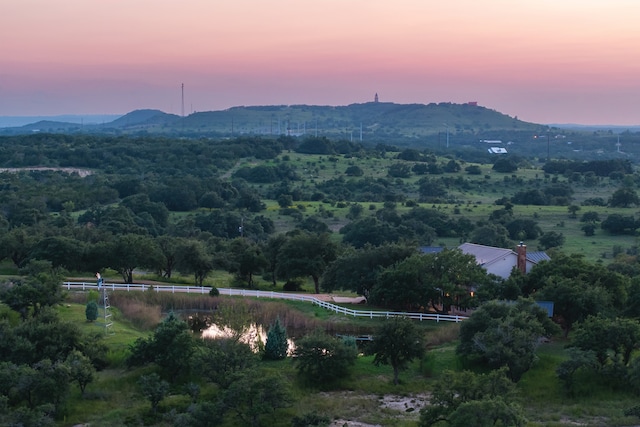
[{"x": 105, "y": 304}]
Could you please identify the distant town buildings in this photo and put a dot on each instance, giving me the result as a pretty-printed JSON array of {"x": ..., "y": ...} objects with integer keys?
[
  {"x": 494, "y": 150},
  {"x": 497, "y": 150}
]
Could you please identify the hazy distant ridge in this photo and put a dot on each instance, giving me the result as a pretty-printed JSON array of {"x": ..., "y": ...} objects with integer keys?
[
  {"x": 87, "y": 119},
  {"x": 374, "y": 119},
  {"x": 613, "y": 128}
]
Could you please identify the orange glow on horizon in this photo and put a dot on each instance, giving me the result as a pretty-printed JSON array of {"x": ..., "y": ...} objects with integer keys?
[{"x": 287, "y": 51}]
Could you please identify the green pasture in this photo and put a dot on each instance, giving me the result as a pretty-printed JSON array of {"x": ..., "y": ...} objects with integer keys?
[
  {"x": 475, "y": 203},
  {"x": 114, "y": 398}
]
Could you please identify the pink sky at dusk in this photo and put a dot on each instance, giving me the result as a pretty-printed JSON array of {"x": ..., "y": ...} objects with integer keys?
[{"x": 545, "y": 61}]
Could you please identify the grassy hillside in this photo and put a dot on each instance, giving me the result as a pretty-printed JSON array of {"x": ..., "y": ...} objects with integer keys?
[
  {"x": 475, "y": 200},
  {"x": 374, "y": 121},
  {"x": 377, "y": 120}
]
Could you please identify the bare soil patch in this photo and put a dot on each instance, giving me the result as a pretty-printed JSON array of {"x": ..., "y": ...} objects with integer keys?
[{"x": 398, "y": 406}]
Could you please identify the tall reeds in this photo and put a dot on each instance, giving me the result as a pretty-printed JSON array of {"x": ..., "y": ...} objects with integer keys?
[
  {"x": 141, "y": 314},
  {"x": 135, "y": 306}
]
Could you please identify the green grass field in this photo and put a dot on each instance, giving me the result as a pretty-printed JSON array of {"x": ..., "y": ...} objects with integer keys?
[
  {"x": 476, "y": 203},
  {"x": 114, "y": 398}
]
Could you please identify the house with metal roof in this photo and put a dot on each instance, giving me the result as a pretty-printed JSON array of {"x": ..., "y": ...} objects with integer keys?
[{"x": 500, "y": 261}]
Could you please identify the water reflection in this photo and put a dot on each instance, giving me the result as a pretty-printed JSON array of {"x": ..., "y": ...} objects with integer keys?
[{"x": 255, "y": 336}]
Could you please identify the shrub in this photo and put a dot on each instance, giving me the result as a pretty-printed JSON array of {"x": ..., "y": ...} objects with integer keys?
[
  {"x": 473, "y": 170},
  {"x": 310, "y": 420},
  {"x": 322, "y": 359},
  {"x": 505, "y": 165},
  {"x": 551, "y": 239},
  {"x": 91, "y": 311},
  {"x": 293, "y": 285},
  {"x": 93, "y": 295},
  {"x": 354, "y": 171}
]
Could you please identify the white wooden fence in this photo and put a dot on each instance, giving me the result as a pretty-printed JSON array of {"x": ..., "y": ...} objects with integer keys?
[{"x": 265, "y": 294}]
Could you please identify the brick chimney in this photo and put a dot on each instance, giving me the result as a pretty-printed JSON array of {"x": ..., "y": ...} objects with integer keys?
[{"x": 522, "y": 257}]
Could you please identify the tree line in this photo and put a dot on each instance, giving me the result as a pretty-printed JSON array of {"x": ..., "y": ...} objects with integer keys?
[{"x": 594, "y": 306}]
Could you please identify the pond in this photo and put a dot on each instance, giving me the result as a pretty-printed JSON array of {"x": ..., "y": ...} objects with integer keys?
[{"x": 255, "y": 334}]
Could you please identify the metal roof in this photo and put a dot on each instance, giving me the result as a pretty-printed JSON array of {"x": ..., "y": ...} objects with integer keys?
[
  {"x": 488, "y": 254},
  {"x": 538, "y": 256},
  {"x": 485, "y": 254}
]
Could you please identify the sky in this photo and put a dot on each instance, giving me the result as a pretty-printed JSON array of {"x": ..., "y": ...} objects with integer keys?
[{"x": 544, "y": 61}]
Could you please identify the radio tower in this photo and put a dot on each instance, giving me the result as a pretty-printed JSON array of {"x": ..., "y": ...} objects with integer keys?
[{"x": 182, "y": 100}]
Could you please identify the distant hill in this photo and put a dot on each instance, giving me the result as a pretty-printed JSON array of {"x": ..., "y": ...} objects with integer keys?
[
  {"x": 85, "y": 119},
  {"x": 375, "y": 121},
  {"x": 596, "y": 128},
  {"x": 142, "y": 118},
  {"x": 382, "y": 119}
]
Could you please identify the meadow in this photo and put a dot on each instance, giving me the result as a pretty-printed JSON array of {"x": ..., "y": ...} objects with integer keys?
[
  {"x": 476, "y": 202},
  {"x": 367, "y": 395}
]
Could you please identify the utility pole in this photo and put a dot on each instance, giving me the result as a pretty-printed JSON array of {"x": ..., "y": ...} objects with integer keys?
[{"x": 447, "y": 134}]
